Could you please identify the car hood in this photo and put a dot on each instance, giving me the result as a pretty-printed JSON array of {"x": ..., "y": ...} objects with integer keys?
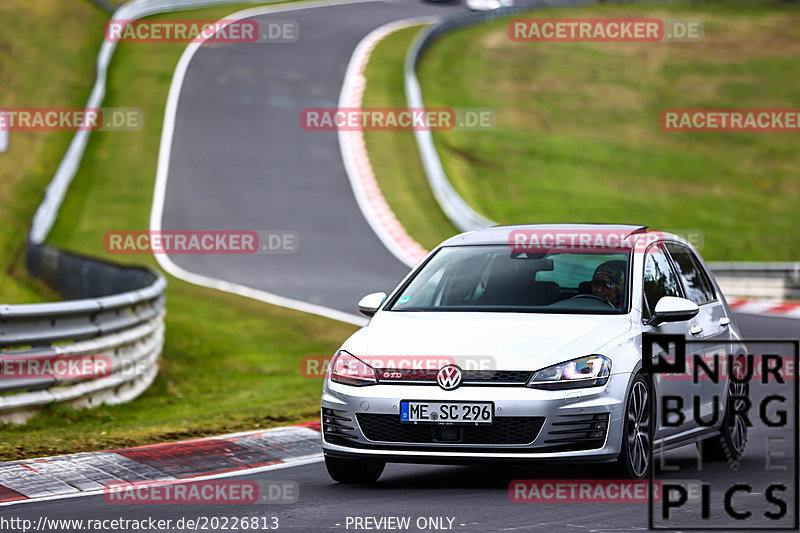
[{"x": 515, "y": 341}]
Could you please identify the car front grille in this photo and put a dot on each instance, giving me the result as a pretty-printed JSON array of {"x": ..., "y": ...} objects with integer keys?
[
  {"x": 504, "y": 430},
  {"x": 468, "y": 377},
  {"x": 571, "y": 433}
]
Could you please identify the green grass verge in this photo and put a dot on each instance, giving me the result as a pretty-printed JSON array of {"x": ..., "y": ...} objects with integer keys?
[
  {"x": 578, "y": 139},
  {"x": 229, "y": 363},
  {"x": 48, "y": 56}
]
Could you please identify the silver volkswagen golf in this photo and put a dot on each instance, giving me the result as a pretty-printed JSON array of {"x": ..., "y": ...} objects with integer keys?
[{"x": 524, "y": 343}]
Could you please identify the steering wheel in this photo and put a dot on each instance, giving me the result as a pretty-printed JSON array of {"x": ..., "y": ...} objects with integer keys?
[{"x": 596, "y": 298}]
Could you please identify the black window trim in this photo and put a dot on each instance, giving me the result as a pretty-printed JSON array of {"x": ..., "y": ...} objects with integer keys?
[
  {"x": 700, "y": 269},
  {"x": 672, "y": 267}
]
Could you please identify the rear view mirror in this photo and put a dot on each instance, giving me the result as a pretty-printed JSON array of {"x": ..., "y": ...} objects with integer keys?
[
  {"x": 673, "y": 309},
  {"x": 369, "y": 304}
]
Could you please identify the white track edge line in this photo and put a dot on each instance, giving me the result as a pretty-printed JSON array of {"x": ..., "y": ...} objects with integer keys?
[{"x": 162, "y": 174}]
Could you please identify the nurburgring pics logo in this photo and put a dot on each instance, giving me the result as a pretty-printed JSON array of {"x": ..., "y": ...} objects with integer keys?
[
  {"x": 225, "y": 31},
  {"x": 200, "y": 242},
  {"x": 748, "y": 397},
  {"x": 396, "y": 118},
  {"x": 604, "y": 30},
  {"x": 731, "y": 120},
  {"x": 70, "y": 119}
]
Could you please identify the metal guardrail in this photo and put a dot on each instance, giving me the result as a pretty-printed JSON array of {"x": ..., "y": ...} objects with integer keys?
[
  {"x": 118, "y": 316},
  {"x": 4, "y": 138},
  {"x": 118, "y": 312},
  {"x": 45, "y": 216},
  {"x": 788, "y": 271},
  {"x": 115, "y": 312},
  {"x": 455, "y": 208},
  {"x": 112, "y": 311},
  {"x": 745, "y": 280},
  {"x": 775, "y": 281}
]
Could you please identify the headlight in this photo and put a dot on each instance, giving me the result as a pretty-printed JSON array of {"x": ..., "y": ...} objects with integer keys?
[
  {"x": 351, "y": 370},
  {"x": 590, "y": 371}
]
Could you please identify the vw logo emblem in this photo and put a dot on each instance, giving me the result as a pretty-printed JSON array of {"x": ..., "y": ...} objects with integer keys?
[{"x": 449, "y": 377}]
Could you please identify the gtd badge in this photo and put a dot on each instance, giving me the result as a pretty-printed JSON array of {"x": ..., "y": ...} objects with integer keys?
[{"x": 449, "y": 377}]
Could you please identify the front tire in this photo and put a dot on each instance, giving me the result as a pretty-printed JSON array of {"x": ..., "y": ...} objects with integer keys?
[
  {"x": 354, "y": 470},
  {"x": 730, "y": 443},
  {"x": 634, "y": 457}
]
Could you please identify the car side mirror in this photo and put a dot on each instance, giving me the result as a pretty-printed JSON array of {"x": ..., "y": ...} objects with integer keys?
[
  {"x": 673, "y": 309},
  {"x": 369, "y": 304}
]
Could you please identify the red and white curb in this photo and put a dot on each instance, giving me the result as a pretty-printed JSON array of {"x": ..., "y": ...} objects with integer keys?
[
  {"x": 354, "y": 152},
  {"x": 755, "y": 307},
  {"x": 64, "y": 476}
]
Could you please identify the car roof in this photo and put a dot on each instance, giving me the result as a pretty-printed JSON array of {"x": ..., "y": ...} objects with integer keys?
[{"x": 501, "y": 234}]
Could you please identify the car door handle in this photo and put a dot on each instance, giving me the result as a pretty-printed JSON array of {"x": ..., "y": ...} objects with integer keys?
[
  {"x": 724, "y": 321},
  {"x": 696, "y": 330}
]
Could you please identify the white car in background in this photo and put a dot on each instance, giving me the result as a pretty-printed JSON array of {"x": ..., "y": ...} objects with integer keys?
[
  {"x": 488, "y": 5},
  {"x": 560, "y": 324}
]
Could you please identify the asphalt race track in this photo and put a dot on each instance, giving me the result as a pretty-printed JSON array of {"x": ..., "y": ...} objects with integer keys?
[
  {"x": 241, "y": 161},
  {"x": 475, "y": 497}
]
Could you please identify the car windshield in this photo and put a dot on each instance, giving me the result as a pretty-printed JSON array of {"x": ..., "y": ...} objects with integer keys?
[{"x": 495, "y": 278}]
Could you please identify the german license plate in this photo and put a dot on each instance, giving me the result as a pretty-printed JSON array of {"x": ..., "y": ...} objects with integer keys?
[{"x": 447, "y": 412}]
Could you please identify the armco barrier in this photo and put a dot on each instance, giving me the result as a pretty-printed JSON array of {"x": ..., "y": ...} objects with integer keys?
[
  {"x": 4, "y": 140},
  {"x": 118, "y": 315},
  {"x": 119, "y": 311},
  {"x": 54, "y": 195},
  {"x": 772, "y": 281},
  {"x": 779, "y": 281},
  {"x": 112, "y": 311},
  {"x": 457, "y": 210}
]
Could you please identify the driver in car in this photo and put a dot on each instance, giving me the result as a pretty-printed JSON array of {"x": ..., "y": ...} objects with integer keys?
[{"x": 608, "y": 283}]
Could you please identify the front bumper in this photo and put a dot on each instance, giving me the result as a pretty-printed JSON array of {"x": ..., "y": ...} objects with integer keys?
[{"x": 529, "y": 424}]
